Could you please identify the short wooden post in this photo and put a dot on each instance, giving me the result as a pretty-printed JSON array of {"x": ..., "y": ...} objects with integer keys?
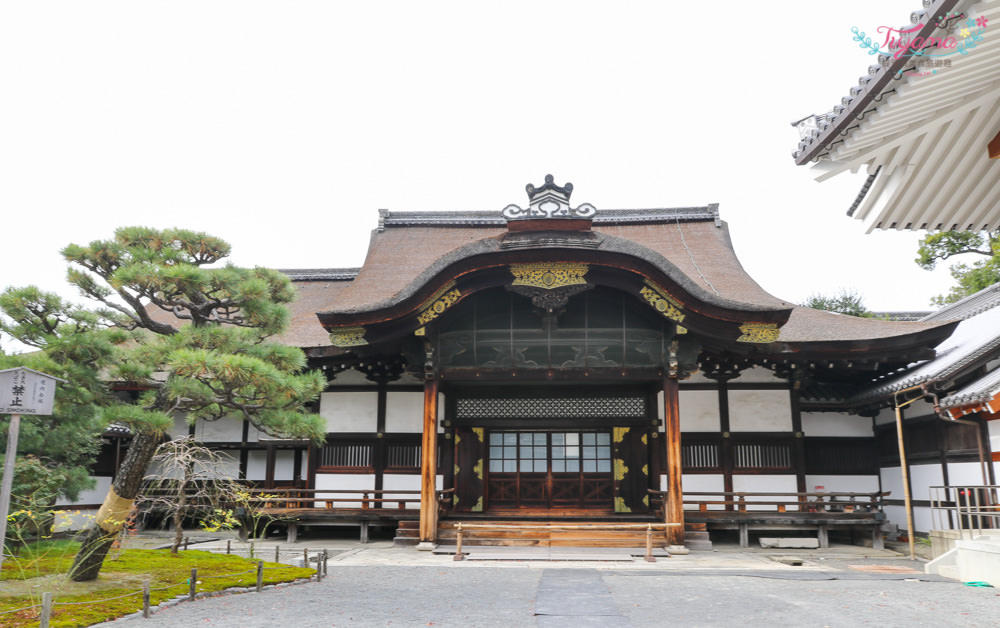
[
  {"x": 364, "y": 501},
  {"x": 319, "y": 567},
  {"x": 458, "y": 540},
  {"x": 260, "y": 575},
  {"x": 742, "y": 503},
  {"x": 145, "y": 599},
  {"x": 43, "y": 621},
  {"x": 276, "y": 549},
  {"x": 326, "y": 558},
  {"x": 227, "y": 546},
  {"x": 305, "y": 557},
  {"x": 649, "y": 544},
  {"x": 194, "y": 582}
]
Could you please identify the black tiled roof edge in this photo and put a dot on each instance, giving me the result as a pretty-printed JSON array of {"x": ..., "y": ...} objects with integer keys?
[
  {"x": 320, "y": 274},
  {"x": 871, "y": 88},
  {"x": 910, "y": 317},
  {"x": 978, "y": 391},
  {"x": 986, "y": 299},
  {"x": 117, "y": 429},
  {"x": 494, "y": 219},
  {"x": 970, "y": 361}
]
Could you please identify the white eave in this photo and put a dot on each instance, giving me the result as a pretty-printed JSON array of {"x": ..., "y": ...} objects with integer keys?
[{"x": 926, "y": 137}]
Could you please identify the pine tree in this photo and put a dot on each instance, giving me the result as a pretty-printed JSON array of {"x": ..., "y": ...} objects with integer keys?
[{"x": 198, "y": 347}]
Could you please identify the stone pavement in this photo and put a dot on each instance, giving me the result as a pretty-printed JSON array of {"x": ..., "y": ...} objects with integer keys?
[{"x": 380, "y": 585}]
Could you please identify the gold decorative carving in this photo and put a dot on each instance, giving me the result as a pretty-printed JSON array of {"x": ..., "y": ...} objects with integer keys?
[
  {"x": 480, "y": 433},
  {"x": 348, "y": 337},
  {"x": 759, "y": 332},
  {"x": 662, "y": 301},
  {"x": 549, "y": 276},
  {"x": 619, "y": 433},
  {"x": 454, "y": 500},
  {"x": 620, "y": 505},
  {"x": 620, "y": 469},
  {"x": 645, "y": 470},
  {"x": 420, "y": 332},
  {"x": 456, "y": 469},
  {"x": 440, "y": 301},
  {"x": 479, "y": 505},
  {"x": 645, "y": 440},
  {"x": 478, "y": 469},
  {"x": 645, "y": 501}
]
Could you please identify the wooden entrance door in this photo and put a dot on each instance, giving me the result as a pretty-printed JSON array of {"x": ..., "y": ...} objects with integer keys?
[{"x": 549, "y": 470}]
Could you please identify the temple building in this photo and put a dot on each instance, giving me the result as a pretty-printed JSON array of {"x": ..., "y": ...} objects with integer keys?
[{"x": 572, "y": 363}]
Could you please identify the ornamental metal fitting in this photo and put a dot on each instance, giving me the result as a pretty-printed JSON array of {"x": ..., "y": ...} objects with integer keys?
[{"x": 549, "y": 201}]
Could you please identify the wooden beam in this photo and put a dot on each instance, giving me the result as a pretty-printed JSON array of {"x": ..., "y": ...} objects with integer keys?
[
  {"x": 675, "y": 496},
  {"x": 428, "y": 465}
]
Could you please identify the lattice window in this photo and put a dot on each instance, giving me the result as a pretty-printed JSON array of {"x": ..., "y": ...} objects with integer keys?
[
  {"x": 700, "y": 455},
  {"x": 402, "y": 457},
  {"x": 613, "y": 406},
  {"x": 763, "y": 456},
  {"x": 346, "y": 456}
]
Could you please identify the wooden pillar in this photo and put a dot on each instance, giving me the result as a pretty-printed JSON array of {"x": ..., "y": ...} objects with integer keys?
[
  {"x": 675, "y": 497},
  {"x": 428, "y": 465}
]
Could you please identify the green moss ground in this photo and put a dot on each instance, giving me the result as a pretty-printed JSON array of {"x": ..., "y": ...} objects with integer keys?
[{"x": 42, "y": 568}]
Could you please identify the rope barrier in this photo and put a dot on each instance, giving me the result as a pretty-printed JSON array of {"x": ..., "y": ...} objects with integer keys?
[{"x": 18, "y": 610}]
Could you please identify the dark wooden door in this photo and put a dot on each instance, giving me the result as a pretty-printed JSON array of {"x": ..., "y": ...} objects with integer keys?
[{"x": 549, "y": 470}]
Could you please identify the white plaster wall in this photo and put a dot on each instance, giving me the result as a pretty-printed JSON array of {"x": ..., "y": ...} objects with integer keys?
[
  {"x": 404, "y": 411},
  {"x": 224, "y": 430},
  {"x": 835, "y": 424},
  {"x": 994, "y": 432},
  {"x": 699, "y": 410},
  {"x": 256, "y": 465},
  {"x": 885, "y": 416},
  {"x": 922, "y": 519},
  {"x": 760, "y": 411},
  {"x": 349, "y": 411},
  {"x": 764, "y": 484},
  {"x": 693, "y": 483},
  {"x": 95, "y": 495},
  {"x": 842, "y": 483},
  {"x": 896, "y": 515},
  {"x": 758, "y": 374},
  {"x": 345, "y": 481},
  {"x": 923, "y": 476},
  {"x": 892, "y": 482},
  {"x": 915, "y": 410},
  {"x": 350, "y": 377},
  {"x": 965, "y": 474},
  {"x": 284, "y": 465},
  {"x": 402, "y": 482}
]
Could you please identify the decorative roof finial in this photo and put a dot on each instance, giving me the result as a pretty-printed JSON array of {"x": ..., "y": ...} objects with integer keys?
[{"x": 550, "y": 201}]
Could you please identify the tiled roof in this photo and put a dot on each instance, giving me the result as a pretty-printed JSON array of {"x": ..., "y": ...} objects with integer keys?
[
  {"x": 975, "y": 341},
  {"x": 982, "y": 390},
  {"x": 690, "y": 244},
  {"x": 317, "y": 290},
  {"x": 921, "y": 131}
]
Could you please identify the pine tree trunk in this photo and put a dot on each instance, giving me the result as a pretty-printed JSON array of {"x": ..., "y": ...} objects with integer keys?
[{"x": 98, "y": 538}]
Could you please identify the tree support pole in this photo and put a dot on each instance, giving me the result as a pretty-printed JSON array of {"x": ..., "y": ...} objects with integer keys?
[{"x": 428, "y": 467}]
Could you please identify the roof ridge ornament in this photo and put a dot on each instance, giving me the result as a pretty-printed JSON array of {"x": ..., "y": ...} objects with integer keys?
[{"x": 550, "y": 201}]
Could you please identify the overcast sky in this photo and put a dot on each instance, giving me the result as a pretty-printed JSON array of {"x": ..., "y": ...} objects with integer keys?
[{"x": 284, "y": 127}]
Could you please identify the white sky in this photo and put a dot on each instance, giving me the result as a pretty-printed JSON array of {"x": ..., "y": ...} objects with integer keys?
[{"x": 283, "y": 127}]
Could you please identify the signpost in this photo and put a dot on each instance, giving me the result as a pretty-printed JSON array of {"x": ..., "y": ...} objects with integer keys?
[{"x": 22, "y": 391}]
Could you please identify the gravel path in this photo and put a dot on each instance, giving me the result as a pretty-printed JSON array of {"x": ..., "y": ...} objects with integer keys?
[{"x": 491, "y": 596}]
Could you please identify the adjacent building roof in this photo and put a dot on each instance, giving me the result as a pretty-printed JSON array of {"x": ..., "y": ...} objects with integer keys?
[
  {"x": 922, "y": 126},
  {"x": 975, "y": 342}
]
